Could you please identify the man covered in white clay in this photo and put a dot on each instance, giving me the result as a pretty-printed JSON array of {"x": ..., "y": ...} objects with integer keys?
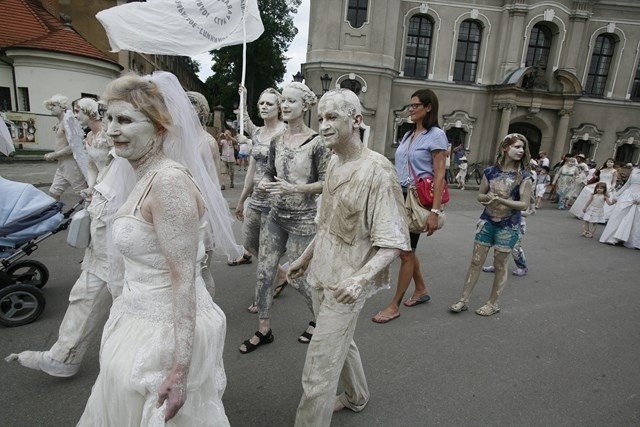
[
  {"x": 71, "y": 171},
  {"x": 361, "y": 230}
]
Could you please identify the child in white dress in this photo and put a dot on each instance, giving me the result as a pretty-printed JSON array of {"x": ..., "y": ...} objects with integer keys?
[{"x": 594, "y": 209}]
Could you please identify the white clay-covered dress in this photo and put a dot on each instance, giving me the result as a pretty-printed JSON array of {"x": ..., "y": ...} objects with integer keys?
[
  {"x": 138, "y": 340},
  {"x": 624, "y": 224}
]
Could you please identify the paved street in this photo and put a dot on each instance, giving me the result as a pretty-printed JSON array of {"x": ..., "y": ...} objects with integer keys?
[{"x": 564, "y": 350}]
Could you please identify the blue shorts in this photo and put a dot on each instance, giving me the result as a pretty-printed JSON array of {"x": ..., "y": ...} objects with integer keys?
[{"x": 503, "y": 239}]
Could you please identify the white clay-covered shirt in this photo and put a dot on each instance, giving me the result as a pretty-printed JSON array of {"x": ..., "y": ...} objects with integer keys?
[{"x": 358, "y": 215}]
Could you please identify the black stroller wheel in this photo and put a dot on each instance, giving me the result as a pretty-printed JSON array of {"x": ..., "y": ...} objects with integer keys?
[
  {"x": 20, "y": 304},
  {"x": 28, "y": 272}
]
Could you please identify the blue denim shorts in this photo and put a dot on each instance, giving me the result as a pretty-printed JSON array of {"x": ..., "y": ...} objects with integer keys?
[{"x": 503, "y": 239}]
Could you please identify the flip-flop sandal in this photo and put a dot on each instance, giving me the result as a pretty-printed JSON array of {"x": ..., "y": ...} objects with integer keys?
[
  {"x": 383, "y": 318},
  {"x": 412, "y": 302},
  {"x": 246, "y": 259},
  {"x": 278, "y": 290}
]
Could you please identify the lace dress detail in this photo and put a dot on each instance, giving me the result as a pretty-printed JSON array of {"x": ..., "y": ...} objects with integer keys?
[{"x": 138, "y": 339}]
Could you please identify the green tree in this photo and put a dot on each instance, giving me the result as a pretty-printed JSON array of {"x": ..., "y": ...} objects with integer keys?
[{"x": 265, "y": 66}]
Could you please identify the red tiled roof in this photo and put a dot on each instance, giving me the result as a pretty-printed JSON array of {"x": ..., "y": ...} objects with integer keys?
[{"x": 25, "y": 24}]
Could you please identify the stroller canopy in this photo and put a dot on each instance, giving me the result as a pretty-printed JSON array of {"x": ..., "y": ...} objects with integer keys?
[{"x": 25, "y": 213}]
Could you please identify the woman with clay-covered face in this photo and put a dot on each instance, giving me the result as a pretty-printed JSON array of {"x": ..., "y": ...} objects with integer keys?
[
  {"x": 97, "y": 143},
  {"x": 161, "y": 353},
  {"x": 293, "y": 177},
  {"x": 505, "y": 191},
  {"x": 608, "y": 174},
  {"x": 256, "y": 211}
]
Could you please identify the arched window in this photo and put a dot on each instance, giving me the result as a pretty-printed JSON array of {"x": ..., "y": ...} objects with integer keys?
[
  {"x": 468, "y": 51},
  {"x": 539, "y": 47},
  {"x": 600, "y": 62},
  {"x": 357, "y": 12},
  {"x": 352, "y": 84},
  {"x": 418, "y": 50},
  {"x": 635, "y": 89}
]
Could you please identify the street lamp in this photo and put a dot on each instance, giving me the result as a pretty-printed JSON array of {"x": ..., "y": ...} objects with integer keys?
[
  {"x": 298, "y": 77},
  {"x": 326, "y": 82}
]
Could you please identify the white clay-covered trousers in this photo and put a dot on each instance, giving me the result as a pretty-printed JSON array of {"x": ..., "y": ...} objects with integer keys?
[
  {"x": 332, "y": 359},
  {"x": 89, "y": 304}
]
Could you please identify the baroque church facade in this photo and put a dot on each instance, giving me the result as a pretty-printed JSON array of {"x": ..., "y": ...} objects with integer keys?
[{"x": 565, "y": 73}]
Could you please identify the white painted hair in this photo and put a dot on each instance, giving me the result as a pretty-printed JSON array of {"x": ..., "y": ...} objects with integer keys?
[
  {"x": 347, "y": 100},
  {"x": 57, "y": 99},
  {"x": 200, "y": 103},
  {"x": 309, "y": 98},
  {"x": 89, "y": 106}
]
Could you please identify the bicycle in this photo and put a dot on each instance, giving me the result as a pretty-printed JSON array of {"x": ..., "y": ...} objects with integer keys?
[{"x": 475, "y": 171}]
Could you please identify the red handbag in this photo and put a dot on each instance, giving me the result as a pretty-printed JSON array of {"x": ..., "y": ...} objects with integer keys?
[{"x": 424, "y": 187}]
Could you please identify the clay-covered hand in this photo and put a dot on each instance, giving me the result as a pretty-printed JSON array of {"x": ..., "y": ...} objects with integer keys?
[
  {"x": 240, "y": 211},
  {"x": 280, "y": 186},
  {"x": 50, "y": 157},
  {"x": 86, "y": 194},
  {"x": 349, "y": 290},
  {"x": 489, "y": 199},
  {"x": 297, "y": 268},
  {"x": 173, "y": 393}
]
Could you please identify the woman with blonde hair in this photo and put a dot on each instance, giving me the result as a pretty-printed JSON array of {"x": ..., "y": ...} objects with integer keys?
[
  {"x": 161, "y": 353},
  {"x": 293, "y": 177},
  {"x": 505, "y": 191}
]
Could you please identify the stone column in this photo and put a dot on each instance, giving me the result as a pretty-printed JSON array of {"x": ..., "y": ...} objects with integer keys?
[
  {"x": 512, "y": 49},
  {"x": 505, "y": 118},
  {"x": 561, "y": 136},
  {"x": 573, "y": 46}
]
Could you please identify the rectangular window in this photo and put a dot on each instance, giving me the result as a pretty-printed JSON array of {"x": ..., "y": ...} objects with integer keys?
[
  {"x": 625, "y": 153},
  {"x": 23, "y": 99},
  {"x": 635, "y": 89},
  {"x": 357, "y": 12},
  {"x": 5, "y": 99}
]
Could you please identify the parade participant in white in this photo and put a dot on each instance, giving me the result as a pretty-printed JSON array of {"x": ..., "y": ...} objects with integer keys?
[
  {"x": 361, "y": 230},
  {"x": 256, "y": 211},
  {"x": 161, "y": 353},
  {"x": 293, "y": 176},
  {"x": 92, "y": 294},
  {"x": 607, "y": 174},
  {"x": 68, "y": 151},
  {"x": 624, "y": 223}
]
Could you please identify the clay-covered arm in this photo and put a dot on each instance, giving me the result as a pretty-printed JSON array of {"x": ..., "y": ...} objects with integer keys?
[
  {"x": 299, "y": 267},
  {"x": 175, "y": 209},
  {"x": 247, "y": 189},
  {"x": 349, "y": 290},
  {"x": 66, "y": 151}
]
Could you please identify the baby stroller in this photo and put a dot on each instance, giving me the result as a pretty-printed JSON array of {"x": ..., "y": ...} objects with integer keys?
[{"x": 27, "y": 217}]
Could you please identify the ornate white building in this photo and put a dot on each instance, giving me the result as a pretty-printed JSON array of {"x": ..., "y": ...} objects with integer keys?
[{"x": 565, "y": 73}]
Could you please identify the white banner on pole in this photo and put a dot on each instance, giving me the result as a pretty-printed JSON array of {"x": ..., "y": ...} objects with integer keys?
[{"x": 180, "y": 27}]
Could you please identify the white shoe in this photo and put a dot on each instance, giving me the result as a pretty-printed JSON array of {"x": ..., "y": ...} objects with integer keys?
[{"x": 41, "y": 361}]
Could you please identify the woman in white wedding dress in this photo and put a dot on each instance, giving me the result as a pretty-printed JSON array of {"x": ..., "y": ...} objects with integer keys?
[
  {"x": 607, "y": 174},
  {"x": 624, "y": 224},
  {"x": 161, "y": 353}
]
